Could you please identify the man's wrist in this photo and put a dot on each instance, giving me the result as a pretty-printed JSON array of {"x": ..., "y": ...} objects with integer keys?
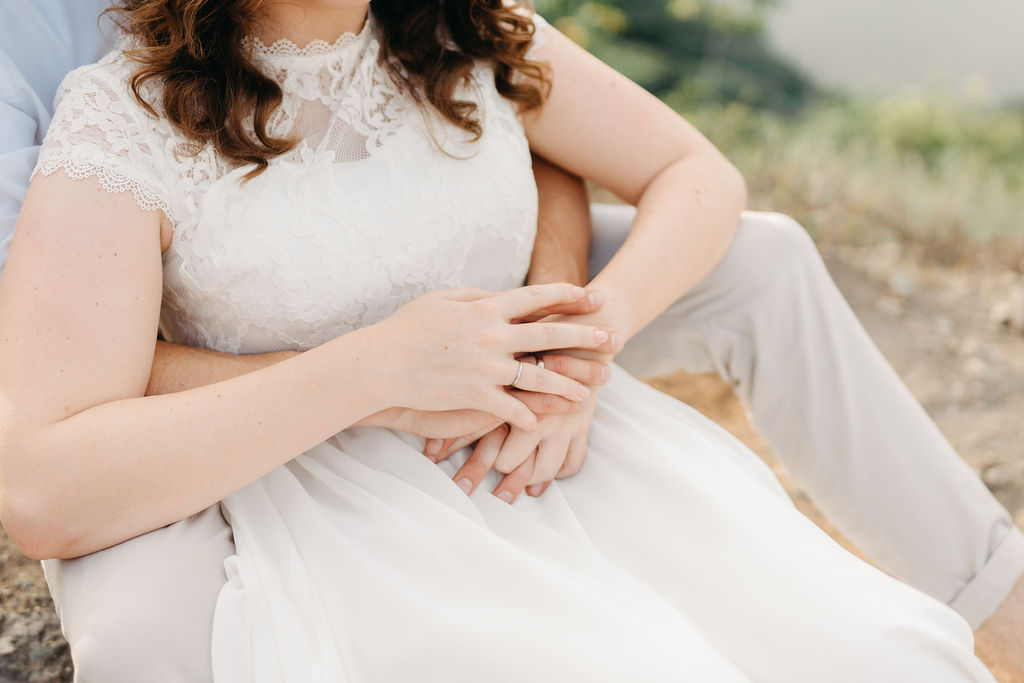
[{"x": 574, "y": 276}]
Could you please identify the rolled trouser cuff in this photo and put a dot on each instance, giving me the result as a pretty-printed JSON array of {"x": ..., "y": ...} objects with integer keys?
[{"x": 980, "y": 598}]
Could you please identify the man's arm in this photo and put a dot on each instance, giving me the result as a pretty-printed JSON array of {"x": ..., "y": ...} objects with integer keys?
[
  {"x": 180, "y": 368},
  {"x": 563, "y": 227}
]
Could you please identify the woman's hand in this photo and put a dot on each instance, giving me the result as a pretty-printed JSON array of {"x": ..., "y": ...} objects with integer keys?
[
  {"x": 458, "y": 349},
  {"x": 439, "y": 446}
]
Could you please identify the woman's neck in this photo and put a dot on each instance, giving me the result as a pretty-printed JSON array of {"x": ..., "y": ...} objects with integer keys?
[{"x": 303, "y": 21}]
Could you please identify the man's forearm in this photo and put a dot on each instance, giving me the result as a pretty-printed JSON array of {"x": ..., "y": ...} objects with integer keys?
[
  {"x": 179, "y": 368},
  {"x": 563, "y": 227}
]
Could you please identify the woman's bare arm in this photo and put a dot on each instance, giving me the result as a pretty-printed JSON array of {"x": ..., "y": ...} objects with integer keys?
[
  {"x": 86, "y": 461},
  {"x": 599, "y": 125}
]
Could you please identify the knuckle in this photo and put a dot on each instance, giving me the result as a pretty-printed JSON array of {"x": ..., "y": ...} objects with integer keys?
[
  {"x": 490, "y": 338},
  {"x": 568, "y": 469},
  {"x": 504, "y": 467},
  {"x": 535, "y": 295},
  {"x": 527, "y": 398},
  {"x": 474, "y": 470},
  {"x": 544, "y": 470},
  {"x": 485, "y": 308},
  {"x": 498, "y": 371}
]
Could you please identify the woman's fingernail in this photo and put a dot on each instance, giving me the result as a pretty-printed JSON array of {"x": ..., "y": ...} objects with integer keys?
[
  {"x": 535, "y": 489},
  {"x": 595, "y": 299},
  {"x": 583, "y": 392},
  {"x": 606, "y": 373},
  {"x": 432, "y": 447},
  {"x": 600, "y": 336},
  {"x": 465, "y": 484},
  {"x": 506, "y": 496},
  {"x": 616, "y": 342},
  {"x": 578, "y": 292}
]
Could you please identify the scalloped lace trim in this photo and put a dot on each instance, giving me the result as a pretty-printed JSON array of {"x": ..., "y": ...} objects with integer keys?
[
  {"x": 283, "y": 47},
  {"x": 110, "y": 181}
]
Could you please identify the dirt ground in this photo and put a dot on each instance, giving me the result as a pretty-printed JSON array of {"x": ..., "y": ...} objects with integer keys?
[{"x": 934, "y": 325}]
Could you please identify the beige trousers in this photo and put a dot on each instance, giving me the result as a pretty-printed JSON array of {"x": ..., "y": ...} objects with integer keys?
[{"x": 771, "y": 322}]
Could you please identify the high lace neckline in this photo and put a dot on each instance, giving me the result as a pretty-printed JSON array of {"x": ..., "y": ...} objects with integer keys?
[{"x": 285, "y": 48}]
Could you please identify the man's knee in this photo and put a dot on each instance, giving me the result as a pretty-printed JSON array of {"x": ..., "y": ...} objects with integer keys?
[{"x": 768, "y": 248}]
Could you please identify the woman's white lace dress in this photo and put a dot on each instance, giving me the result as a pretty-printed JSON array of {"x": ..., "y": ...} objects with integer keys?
[{"x": 673, "y": 556}]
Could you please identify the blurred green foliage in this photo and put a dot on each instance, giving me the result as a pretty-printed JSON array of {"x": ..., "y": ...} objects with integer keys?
[
  {"x": 697, "y": 50},
  {"x": 923, "y": 168},
  {"x": 941, "y": 172}
]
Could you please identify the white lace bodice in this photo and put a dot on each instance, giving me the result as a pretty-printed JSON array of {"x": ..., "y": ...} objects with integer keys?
[{"x": 381, "y": 201}]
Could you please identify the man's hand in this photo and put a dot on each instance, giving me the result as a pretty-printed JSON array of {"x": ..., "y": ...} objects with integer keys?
[
  {"x": 592, "y": 373},
  {"x": 556, "y": 449}
]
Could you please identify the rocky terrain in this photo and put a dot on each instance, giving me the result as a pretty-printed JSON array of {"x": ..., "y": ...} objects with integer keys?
[{"x": 955, "y": 335}]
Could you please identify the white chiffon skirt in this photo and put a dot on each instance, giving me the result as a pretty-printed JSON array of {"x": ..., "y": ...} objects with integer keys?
[{"x": 672, "y": 556}]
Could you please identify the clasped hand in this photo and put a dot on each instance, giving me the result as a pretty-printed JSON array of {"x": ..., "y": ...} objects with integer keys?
[
  {"x": 529, "y": 460},
  {"x": 457, "y": 352},
  {"x": 451, "y": 356}
]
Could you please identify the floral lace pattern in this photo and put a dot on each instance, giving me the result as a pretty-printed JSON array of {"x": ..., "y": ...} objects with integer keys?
[{"x": 380, "y": 201}]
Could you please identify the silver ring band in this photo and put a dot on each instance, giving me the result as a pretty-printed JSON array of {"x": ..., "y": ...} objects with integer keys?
[
  {"x": 519, "y": 373},
  {"x": 540, "y": 363}
]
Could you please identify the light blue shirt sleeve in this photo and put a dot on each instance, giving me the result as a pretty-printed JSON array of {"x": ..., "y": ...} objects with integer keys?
[{"x": 40, "y": 42}]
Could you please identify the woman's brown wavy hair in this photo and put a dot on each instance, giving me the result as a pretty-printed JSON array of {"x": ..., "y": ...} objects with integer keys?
[{"x": 213, "y": 93}]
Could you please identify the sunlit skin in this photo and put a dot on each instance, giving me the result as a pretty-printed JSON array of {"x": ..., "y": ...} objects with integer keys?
[
  {"x": 303, "y": 21},
  {"x": 70, "y": 488},
  {"x": 675, "y": 177}
]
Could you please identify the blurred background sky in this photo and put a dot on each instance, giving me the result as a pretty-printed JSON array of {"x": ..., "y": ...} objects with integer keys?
[
  {"x": 879, "y": 46},
  {"x": 867, "y": 120}
]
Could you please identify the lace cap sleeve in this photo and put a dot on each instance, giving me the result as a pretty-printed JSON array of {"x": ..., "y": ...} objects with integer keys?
[{"x": 100, "y": 131}]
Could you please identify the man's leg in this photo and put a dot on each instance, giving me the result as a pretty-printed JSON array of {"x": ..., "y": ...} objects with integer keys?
[
  {"x": 143, "y": 610},
  {"x": 770, "y": 321}
]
